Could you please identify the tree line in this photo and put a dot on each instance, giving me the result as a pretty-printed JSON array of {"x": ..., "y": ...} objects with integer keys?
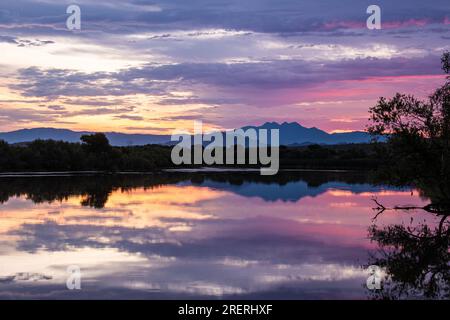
[{"x": 94, "y": 153}]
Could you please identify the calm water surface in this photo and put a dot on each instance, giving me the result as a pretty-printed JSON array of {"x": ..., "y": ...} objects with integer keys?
[{"x": 301, "y": 235}]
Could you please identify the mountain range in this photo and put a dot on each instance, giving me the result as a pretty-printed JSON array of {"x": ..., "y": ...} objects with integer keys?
[{"x": 290, "y": 134}]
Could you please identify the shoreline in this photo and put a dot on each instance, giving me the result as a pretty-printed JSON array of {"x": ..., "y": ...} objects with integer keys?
[{"x": 171, "y": 170}]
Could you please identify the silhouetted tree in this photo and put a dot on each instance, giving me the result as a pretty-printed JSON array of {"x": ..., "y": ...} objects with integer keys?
[
  {"x": 97, "y": 142},
  {"x": 100, "y": 153},
  {"x": 418, "y": 134}
]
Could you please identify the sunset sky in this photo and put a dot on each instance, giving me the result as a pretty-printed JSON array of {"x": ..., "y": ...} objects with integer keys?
[{"x": 150, "y": 66}]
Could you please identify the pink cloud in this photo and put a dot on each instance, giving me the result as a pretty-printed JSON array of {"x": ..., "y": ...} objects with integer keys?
[
  {"x": 333, "y": 25},
  {"x": 406, "y": 23}
]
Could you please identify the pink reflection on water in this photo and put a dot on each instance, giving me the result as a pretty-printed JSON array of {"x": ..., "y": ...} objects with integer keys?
[{"x": 230, "y": 239}]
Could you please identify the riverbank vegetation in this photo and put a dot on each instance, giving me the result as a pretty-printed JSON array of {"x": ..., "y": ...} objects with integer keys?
[{"x": 94, "y": 153}]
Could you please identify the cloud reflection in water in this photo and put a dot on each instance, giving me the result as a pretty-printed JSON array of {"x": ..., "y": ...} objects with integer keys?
[{"x": 195, "y": 238}]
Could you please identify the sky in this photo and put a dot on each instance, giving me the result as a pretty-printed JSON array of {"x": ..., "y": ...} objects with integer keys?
[{"x": 150, "y": 66}]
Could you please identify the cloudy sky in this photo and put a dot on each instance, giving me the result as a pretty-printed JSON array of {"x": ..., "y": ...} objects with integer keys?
[{"x": 152, "y": 66}]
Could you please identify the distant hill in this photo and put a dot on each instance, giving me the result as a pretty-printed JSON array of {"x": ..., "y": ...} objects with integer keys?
[
  {"x": 290, "y": 134},
  {"x": 293, "y": 133},
  {"x": 115, "y": 138}
]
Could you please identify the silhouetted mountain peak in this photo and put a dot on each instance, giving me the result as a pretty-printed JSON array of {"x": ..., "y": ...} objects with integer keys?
[
  {"x": 285, "y": 124},
  {"x": 291, "y": 133}
]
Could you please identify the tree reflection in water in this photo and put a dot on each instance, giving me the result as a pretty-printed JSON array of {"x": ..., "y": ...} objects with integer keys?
[{"x": 415, "y": 259}]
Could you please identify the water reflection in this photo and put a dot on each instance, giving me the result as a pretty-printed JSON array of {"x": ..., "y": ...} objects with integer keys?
[
  {"x": 415, "y": 257},
  {"x": 191, "y": 235}
]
